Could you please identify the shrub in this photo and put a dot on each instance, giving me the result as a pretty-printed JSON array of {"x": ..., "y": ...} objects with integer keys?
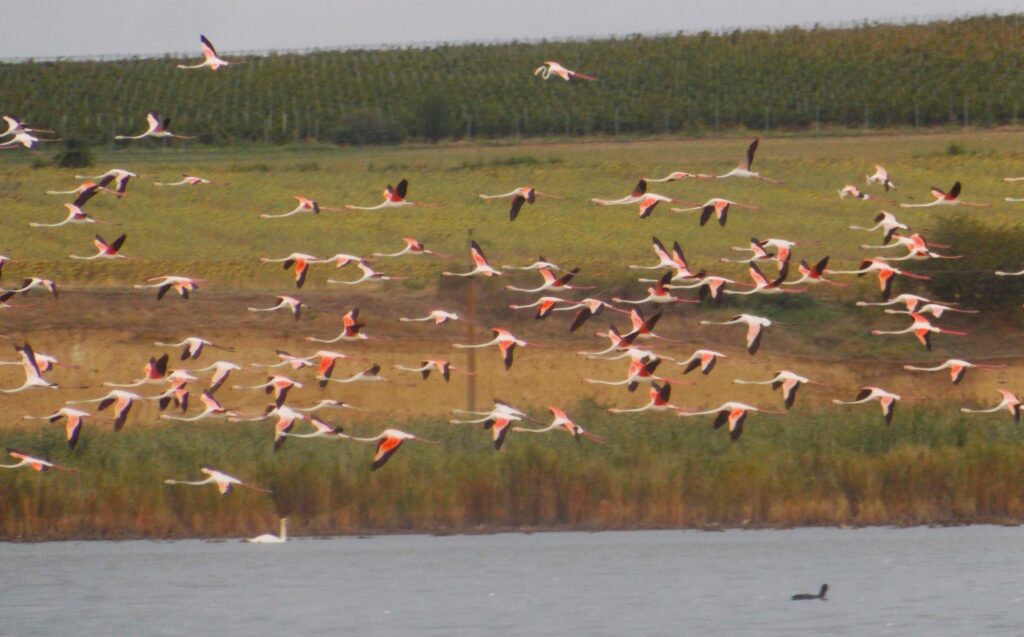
[
  {"x": 985, "y": 249},
  {"x": 74, "y": 155}
]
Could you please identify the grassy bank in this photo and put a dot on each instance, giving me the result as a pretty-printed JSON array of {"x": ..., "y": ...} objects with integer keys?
[{"x": 822, "y": 468}]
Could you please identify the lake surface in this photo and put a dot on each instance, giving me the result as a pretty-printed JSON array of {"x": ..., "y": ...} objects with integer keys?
[{"x": 935, "y": 581}]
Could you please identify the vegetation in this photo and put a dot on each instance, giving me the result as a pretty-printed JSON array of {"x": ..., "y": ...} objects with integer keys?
[{"x": 963, "y": 72}]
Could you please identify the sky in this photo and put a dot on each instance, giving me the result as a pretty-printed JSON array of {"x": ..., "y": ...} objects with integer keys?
[{"x": 116, "y": 27}]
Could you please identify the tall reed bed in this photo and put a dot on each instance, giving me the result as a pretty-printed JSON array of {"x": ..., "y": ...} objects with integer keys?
[{"x": 825, "y": 468}]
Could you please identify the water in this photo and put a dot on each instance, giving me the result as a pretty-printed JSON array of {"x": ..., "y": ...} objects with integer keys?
[{"x": 952, "y": 581}]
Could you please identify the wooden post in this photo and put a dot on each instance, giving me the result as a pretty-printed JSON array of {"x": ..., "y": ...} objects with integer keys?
[{"x": 470, "y": 338}]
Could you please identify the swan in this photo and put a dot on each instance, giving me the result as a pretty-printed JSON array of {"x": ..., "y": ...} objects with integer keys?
[{"x": 270, "y": 538}]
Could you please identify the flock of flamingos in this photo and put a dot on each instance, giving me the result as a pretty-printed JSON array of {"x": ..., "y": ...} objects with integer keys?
[{"x": 770, "y": 262}]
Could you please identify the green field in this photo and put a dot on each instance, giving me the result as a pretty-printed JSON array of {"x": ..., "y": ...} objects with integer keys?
[{"x": 214, "y": 232}]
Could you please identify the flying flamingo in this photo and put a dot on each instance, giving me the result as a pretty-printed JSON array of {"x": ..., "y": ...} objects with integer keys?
[
  {"x": 84, "y": 192},
  {"x": 656, "y": 294},
  {"x": 322, "y": 430},
  {"x": 289, "y": 303},
  {"x": 551, "y": 67},
  {"x": 564, "y": 423},
  {"x": 25, "y": 139},
  {"x": 552, "y": 283},
  {"x": 712, "y": 286},
  {"x": 186, "y": 180},
  {"x": 32, "y": 283},
  {"x": 881, "y": 176},
  {"x": 15, "y": 126},
  {"x": 298, "y": 260},
  {"x": 223, "y": 481},
  {"x": 388, "y": 442},
  {"x": 394, "y": 197},
  {"x": 350, "y": 327},
  {"x": 678, "y": 175},
  {"x": 437, "y": 316},
  {"x": 639, "y": 370},
  {"x": 192, "y": 347},
  {"x": 643, "y": 327},
  {"x": 505, "y": 341},
  {"x": 286, "y": 359},
  {"x": 911, "y": 301},
  {"x": 618, "y": 343},
  {"x": 887, "y": 223},
  {"x": 1009, "y": 401},
  {"x": 370, "y": 375},
  {"x": 637, "y": 194},
  {"x": 540, "y": 264},
  {"x": 156, "y": 128},
  {"x": 957, "y": 368},
  {"x": 442, "y": 367},
  {"x": 675, "y": 260},
  {"x": 849, "y": 190},
  {"x": 951, "y": 198},
  {"x": 519, "y": 197},
  {"x": 277, "y": 385},
  {"x": 715, "y": 206},
  {"x": 886, "y": 273},
  {"x": 369, "y": 274},
  {"x": 119, "y": 175},
  {"x": 33, "y": 462},
  {"x": 75, "y": 215},
  {"x": 481, "y": 266},
  {"x": 330, "y": 402},
  {"x": 212, "y": 408},
  {"x": 733, "y": 413},
  {"x": 73, "y": 426},
  {"x": 33, "y": 377},
  {"x": 789, "y": 382},
  {"x": 759, "y": 251},
  {"x": 705, "y": 359},
  {"x": 886, "y": 399},
  {"x": 584, "y": 310},
  {"x": 814, "y": 274},
  {"x": 105, "y": 250},
  {"x": 755, "y": 328},
  {"x": 743, "y": 169},
  {"x": 183, "y": 285},
  {"x": 646, "y": 201},
  {"x": 120, "y": 399},
  {"x": 918, "y": 248},
  {"x": 501, "y": 409},
  {"x": 305, "y": 205},
  {"x": 153, "y": 372},
  {"x": 660, "y": 395},
  {"x": 935, "y": 309},
  {"x": 545, "y": 305},
  {"x": 221, "y": 371},
  {"x": 761, "y": 283},
  {"x": 921, "y": 328},
  {"x": 415, "y": 247},
  {"x": 210, "y": 57}
]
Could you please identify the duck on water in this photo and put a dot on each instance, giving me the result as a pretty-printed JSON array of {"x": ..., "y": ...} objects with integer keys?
[{"x": 820, "y": 595}]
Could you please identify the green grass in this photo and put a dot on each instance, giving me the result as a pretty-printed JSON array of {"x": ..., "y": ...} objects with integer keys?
[{"x": 654, "y": 472}]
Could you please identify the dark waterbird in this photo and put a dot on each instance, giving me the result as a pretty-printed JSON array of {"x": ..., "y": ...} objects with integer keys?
[{"x": 821, "y": 595}]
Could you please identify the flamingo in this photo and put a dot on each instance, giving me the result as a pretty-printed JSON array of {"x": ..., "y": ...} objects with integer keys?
[
  {"x": 370, "y": 375},
  {"x": 437, "y": 316},
  {"x": 388, "y": 442},
  {"x": 73, "y": 426},
  {"x": 849, "y": 190},
  {"x": 715, "y": 206},
  {"x": 1009, "y": 401},
  {"x": 789, "y": 382},
  {"x": 551, "y": 67},
  {"x": 564, "y": 423},
  {"x": 277, "y": 385},
  {"x": 322, "y": 430},
  {"x": 705, "y": 359},
  {"x": 678, "y": 175},
  {"x": 295, "y": 362},
  {"x": 887, "y": 223},
  {"x": 618, "y": 343},
  {"x": 540, "y": 264},
  {"x": 270, "y": 538},
  {"x": 886, "y": 273},
  {"x": 505, "y": 341},
  {"x": 501, "y": 409},
  {"x": 755, "y": 328},
  {"x": 120, "y": 399},
  {"x": 223, "y": 481},
  {"x": 15, "y": 126},
  {"x": 186, "y": 180},
  {"x": 759, "y": 252},
  {"x": 886, "y": 399},
  {"x": 119, "y": 175},
  {"x": 712, "y": 286},
  {"x": 33, "y": 377},
  {"x": 519, "y": 196},
  {"x": 183, "y": 285},
  {"x": 762, "y": 285},
  {"x": 639, "y": 190},
  {"x": 643, "y": 327},
  {"x": 210, "y": 57},
  {"x": 75, "y": 215},
  {"x": 35, "y": 463},
  {"x": 212, "y": 408},
  {"x": 156, "y": 128},
  {"x": 918, "y": 248},
  {"x": 289, "y": 303},
  {"x": 480, "y": 263},
  {"x": 153, "y": 372},
  {"x": 299, "y": 261},
  {"x": 675, "y": 260},
  {"x": 1004, "y": 273},
  {"x": 340, "y": 260},
  {"x": 733, "y": 413},
  {"x": 84, "y": 192},
  {"x": 921, "y": 328},
  {"x": 911, "y": 301},
  {"x": 326, "y": 365},
  {"x": 105, "y": 250},
  {"x": 415, "y": 247},
  {"x": 584, "y": 310},
  {"x": 659, "y": 394},
  {"x": 329, "y": 402},
  {"x": 350, "y": 327},
  {"x": 31, "y": 283},
  {"x": 442, "y": 367},
  {"x": 221, "y": 370},
  {"x": 814, "y": 274},
  {"x": 881, "y": 176},
  {"x": 951, "y": 198},
  {"x": 25, "y": 139},
  {"x": 286, "y": 419},
  {"x": 656, "y": 294},
  {"x": 545, "y": 305},
  {"x": 305, "y": 205},
  {"x": 743, "y": 168},
  {"x": 640, "y": 369},
  {"x": 192, "y": 347},
  {"x": 552, "y": 283},
  {"x": 935, "y": 309},
  {"x": 369, "y": 274},
  {"x": 394, "y": 197},
  {"x": 957, "y": 368}
]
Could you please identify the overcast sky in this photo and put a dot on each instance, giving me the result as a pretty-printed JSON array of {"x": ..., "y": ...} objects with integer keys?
[{"x": 49, "y": 28}]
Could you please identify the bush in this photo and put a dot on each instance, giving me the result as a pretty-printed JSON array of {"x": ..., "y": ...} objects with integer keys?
[
  {"x": 364, "y": 126},
  {"x": 985, "y": 249},
  {"x": 74, "y": 155}
]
